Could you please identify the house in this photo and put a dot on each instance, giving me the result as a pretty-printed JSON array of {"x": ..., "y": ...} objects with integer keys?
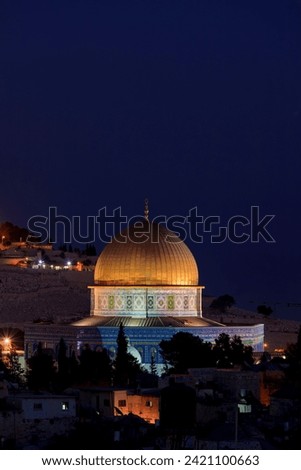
[
  {"x": 110, "y": 402},
  {"x": 35, "y": 418}
]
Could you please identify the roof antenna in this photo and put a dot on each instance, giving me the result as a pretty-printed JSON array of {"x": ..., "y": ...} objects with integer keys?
[{"x": 146, "y": 211}]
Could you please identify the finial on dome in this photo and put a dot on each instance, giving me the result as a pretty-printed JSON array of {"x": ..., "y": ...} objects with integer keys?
[{"x": 146, "y": 211}]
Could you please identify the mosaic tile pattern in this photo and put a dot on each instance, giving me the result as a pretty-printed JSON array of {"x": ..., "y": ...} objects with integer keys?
[{"x": 142, "y": 301}]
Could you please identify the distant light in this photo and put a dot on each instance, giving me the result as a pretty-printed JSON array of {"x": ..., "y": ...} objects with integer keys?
[
  {"x": 68, "y": 263},
  {"x": 6, "y": 341}
]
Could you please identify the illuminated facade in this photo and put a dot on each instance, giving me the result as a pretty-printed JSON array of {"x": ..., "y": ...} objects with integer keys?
[{"x": 147, "y": 280}]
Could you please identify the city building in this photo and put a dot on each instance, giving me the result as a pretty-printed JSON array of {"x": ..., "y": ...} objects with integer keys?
[{"x": 109, "y": 402}]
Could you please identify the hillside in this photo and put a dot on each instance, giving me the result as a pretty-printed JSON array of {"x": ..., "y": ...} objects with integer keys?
[
  {"x": 28, "y": 294},
  {"x": 278, "y": 332}
]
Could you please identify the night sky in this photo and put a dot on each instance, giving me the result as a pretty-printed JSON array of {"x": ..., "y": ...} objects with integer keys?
[{"x": 189, "y": 103}]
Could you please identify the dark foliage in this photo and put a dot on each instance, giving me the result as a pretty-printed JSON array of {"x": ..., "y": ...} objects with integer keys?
[
  {"x": 293, "y": 355},
  {"x": 264, "y": 310},
  {"x": 126, "y": 367},
  {"x": 95, "y": 366},
  {"x": 184, "y": 351},
  {"x": 231, "y": 351},
  {"x": 223, "y": 303},
  {"x": 41, "y": 373}
]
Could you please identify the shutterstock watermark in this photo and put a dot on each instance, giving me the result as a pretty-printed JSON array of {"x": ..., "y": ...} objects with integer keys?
[{"x": 238, "y": 229}]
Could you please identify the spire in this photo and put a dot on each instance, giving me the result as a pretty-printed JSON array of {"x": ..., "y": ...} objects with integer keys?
[{"x": 146, "y": 211}]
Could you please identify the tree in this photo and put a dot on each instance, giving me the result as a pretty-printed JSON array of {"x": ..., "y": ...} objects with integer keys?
[
  {"x": 74, "y": 368},
  {"x": 223, "y": 303},
  {"x": 90, "y": 250},
  {"x": 184, "y": 351},
  {"x": 62, "y": 359},
  {"x": 222, "y": 351},
  {"x": 264, "y": 310},
  {"x": 41, "y": 373},
  {"x": 237, "y": 350},
  {"x": 63, "y": 363},
  {"x": 15, "y": 372},
  {"x": 153, "y": 366},
  {"x": 231, "y": 351},
  {"x": 3, "y": 368},
  {"x": 95, "y": 366},
  {"x": 126, "y": 367},
  {"x": 293, "y": 354}
]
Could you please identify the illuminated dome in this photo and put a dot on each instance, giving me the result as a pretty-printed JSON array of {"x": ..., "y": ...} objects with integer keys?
[{"x": 146, "y": 254}]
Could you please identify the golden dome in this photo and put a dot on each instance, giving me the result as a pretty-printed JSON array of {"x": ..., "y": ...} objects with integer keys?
[{"x": 146, "y": 254}]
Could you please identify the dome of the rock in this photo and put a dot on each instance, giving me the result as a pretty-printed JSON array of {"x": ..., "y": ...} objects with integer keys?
[{"x": 146, "y": 254}]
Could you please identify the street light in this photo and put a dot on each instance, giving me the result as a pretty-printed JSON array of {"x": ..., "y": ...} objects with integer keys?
[{"x": 6, "y": 341}]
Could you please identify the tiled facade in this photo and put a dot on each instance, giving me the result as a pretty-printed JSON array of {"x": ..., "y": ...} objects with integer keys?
[
  {"x": 139, "y": 301},
  {"x": 144, "y": 340}
]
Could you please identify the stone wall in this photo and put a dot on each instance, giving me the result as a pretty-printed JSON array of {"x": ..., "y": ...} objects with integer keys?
[{"x": 28, "y": 432}]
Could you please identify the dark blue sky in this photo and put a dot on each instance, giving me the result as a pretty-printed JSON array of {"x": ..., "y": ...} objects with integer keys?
[{"x": 188, "y": 103}]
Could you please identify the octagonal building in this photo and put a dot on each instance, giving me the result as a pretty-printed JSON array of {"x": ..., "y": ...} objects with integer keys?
[{"x": 147, "y": 280}]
